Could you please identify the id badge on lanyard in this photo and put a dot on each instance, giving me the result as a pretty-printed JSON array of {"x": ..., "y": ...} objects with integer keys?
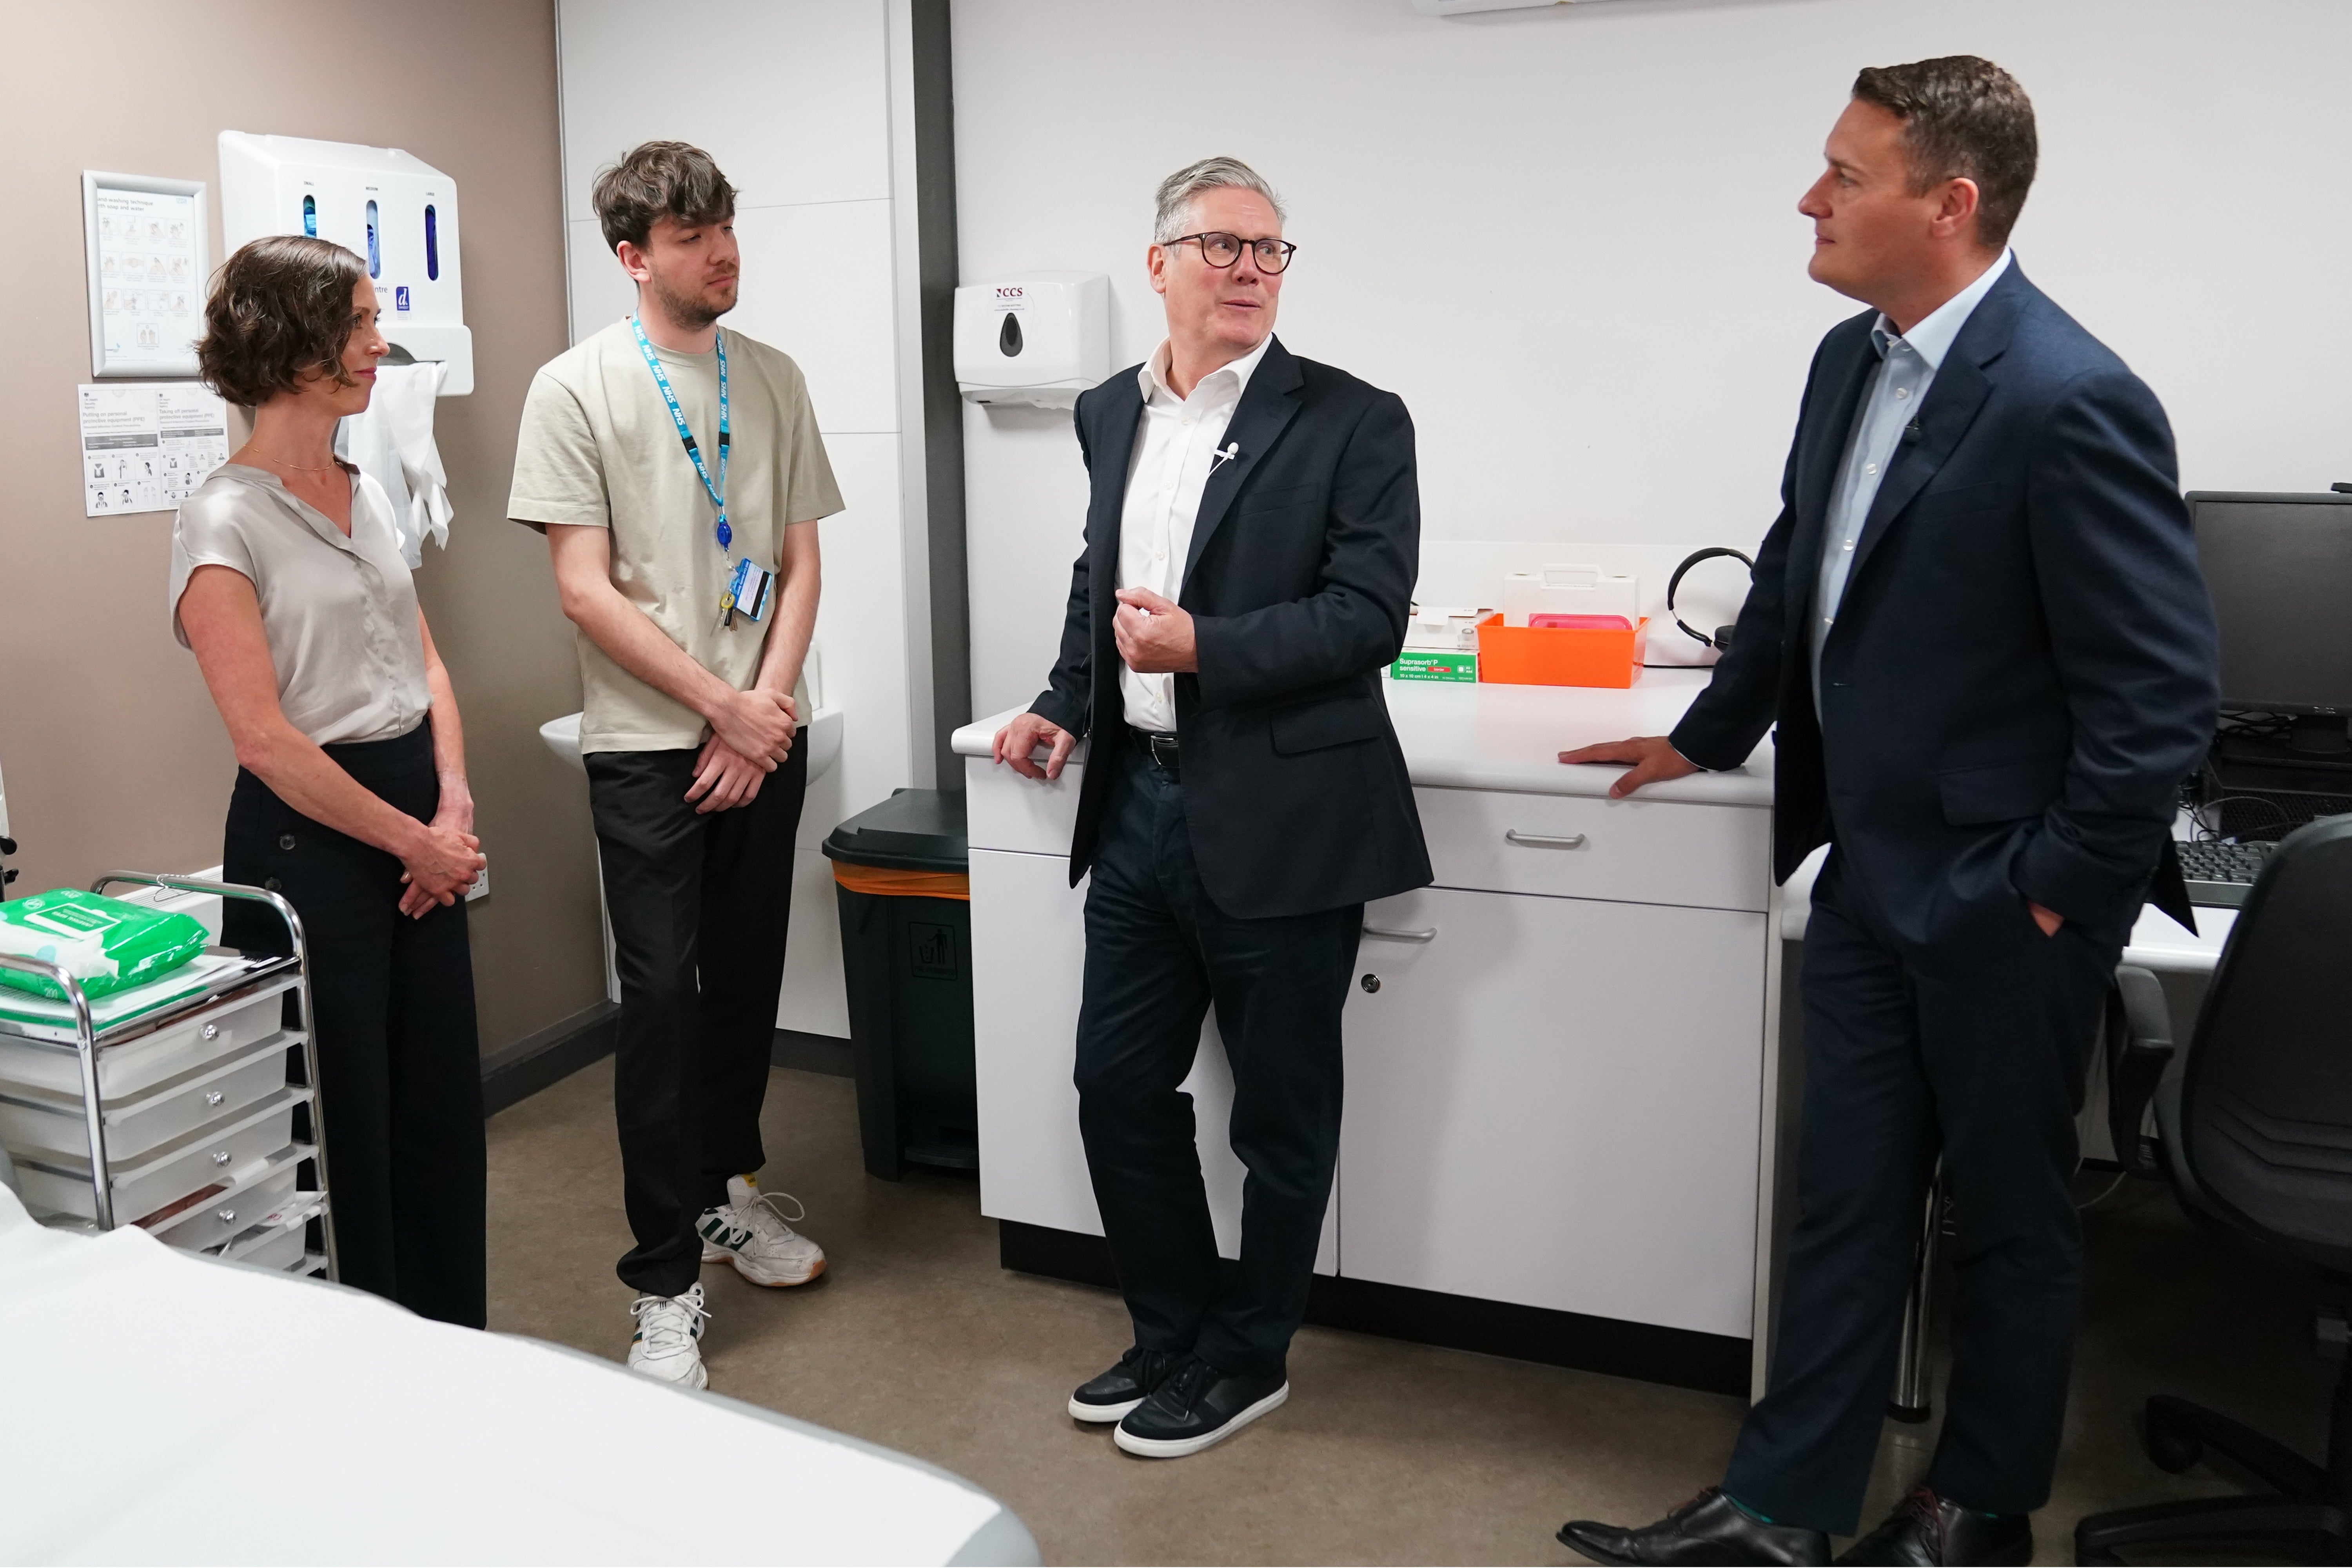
[{"x": 750, "y": 587}]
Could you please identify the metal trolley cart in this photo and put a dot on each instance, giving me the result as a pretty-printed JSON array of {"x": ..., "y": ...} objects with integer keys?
[{"x": 181, "y": 1118}]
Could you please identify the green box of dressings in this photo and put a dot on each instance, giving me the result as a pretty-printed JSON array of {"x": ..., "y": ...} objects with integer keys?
[{"x": 1425, "y": 664}]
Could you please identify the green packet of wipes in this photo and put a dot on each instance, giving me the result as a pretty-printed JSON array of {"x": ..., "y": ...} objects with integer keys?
[{"x": 105, "y": 943}]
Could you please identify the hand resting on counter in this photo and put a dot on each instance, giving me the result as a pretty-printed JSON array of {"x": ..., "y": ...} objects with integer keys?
[
  {"x": 1027, "y": 732},
  {"x": 1653, "y": 760}
]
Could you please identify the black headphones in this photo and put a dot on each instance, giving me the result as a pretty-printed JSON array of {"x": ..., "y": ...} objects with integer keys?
[{"x": 1722, "y": 637}]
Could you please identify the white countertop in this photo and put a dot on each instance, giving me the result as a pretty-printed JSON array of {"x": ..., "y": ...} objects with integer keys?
[{"x": 1490, "y": 736}]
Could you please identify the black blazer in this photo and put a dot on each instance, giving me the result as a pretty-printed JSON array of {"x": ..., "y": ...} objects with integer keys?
[
  {"x": 2024, "y": 666},
  {"x": 1299, "y": 580}
]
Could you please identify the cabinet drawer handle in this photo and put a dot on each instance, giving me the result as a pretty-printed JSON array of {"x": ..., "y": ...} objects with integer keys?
[
  {"x": 211, "y": 1031},
  {"x": 1385, "y": 934},
  {"x": 214, "y": 1097},
  {"x": 1545, "y": 840},
  {"x": 221, "y": 1157},
  {"x": 228, "y": 1216}
]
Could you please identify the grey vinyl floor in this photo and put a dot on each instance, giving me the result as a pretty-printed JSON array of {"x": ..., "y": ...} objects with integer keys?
[{"x": 1387, "y": 1452}]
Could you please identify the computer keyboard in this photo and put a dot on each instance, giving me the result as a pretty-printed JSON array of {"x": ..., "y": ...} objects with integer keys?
[{"x": 2220, "y": 875}]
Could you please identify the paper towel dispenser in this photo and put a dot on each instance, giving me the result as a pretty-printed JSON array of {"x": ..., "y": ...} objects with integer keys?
[
  {"x": 395, "y": 212},
  {"x": 1040, "y": 338}
]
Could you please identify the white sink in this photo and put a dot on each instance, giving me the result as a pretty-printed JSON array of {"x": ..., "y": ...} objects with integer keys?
[{"x": 821, "y": 734}]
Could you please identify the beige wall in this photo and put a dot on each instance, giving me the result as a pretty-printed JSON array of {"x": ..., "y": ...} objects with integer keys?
[{"x": 111, "y": 753}]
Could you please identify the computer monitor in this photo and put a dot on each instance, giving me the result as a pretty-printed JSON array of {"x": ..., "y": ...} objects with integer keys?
[{"x": 2280, "y": 568}]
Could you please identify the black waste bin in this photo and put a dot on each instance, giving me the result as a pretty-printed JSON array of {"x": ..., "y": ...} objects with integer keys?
[{"x": 902, "y": 873}]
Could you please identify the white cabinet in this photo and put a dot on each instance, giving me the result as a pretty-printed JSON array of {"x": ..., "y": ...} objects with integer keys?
[
  {"x": 1028, "y": 959},
  {"x": 1555, "y": 1102}
]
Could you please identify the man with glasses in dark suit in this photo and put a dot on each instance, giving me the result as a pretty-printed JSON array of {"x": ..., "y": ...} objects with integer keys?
[{"x": 1252, "y": 535}]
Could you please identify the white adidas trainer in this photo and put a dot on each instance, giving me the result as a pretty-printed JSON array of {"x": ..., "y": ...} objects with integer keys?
[
  {"x": 749, "y": 1231},
  {"x": 667, "y": 1346}
]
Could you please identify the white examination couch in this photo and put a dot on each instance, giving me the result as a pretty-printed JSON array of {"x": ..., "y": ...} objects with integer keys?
[{"x": 155, "y": 1406}]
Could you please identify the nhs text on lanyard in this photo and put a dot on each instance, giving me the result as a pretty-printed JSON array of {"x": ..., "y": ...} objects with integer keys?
[{"x": 749, "y": 585}]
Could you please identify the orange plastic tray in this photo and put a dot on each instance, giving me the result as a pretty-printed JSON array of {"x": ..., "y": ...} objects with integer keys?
[{"x": 1560, "y": 656}]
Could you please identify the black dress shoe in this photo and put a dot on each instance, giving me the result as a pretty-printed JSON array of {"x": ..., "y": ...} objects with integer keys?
[
  {"x": 1926, "y": 1528},
  {"x": 1710, "y": 1528},
  {"x": 1111, "y": 1395},
  {"x": 1196, "y": 1407}
]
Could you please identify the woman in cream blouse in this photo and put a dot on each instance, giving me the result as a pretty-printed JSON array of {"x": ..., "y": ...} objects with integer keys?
[{"x": 351, "y": 797}]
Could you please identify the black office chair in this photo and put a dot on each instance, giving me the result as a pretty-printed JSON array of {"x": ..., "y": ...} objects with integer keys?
[{"x": 2255, "y": 1132}]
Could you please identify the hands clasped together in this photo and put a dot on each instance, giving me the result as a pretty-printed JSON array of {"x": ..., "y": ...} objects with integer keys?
[
  {"x": 750, "y": 736},
  {"x": 446, "y": 857}
]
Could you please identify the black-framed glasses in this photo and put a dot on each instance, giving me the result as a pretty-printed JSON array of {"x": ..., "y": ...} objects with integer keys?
[{"x": 1219, "y": 248}]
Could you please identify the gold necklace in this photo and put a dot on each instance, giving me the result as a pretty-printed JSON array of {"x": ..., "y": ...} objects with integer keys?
[{"x": 298, "y": 467}]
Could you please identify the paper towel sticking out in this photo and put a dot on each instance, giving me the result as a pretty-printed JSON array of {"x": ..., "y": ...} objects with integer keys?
[{"x": 392, "y": 441}]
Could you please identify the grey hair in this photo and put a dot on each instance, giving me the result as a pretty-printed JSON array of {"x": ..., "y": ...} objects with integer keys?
[{"x": 1176, "y": 191}]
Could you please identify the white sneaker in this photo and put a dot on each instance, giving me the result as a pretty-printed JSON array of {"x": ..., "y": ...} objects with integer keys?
[
  {"x": 749, "y": 1231},
  {"x": 667, "y": 1346}
]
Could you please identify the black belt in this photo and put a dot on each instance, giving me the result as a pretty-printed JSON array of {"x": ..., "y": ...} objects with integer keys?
[{"x": 1158, "y": 746}]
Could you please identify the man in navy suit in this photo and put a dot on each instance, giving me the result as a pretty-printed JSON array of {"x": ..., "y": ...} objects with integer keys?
[
  {"x": 1252, "y": 539},
  {"x": 1980, "y": 627}
]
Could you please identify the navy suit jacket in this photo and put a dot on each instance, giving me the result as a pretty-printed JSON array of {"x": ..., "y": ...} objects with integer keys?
[
  {"x": 1299, "y": 580},
  {"x": 2024, "y": 664}
]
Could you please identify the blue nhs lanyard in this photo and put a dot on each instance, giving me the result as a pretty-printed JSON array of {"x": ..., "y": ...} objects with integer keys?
[{"x": 718, "y": 493}]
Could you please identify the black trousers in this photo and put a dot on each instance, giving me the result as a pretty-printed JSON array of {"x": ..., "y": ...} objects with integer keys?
[
  {"x": 1985, "y": 1069},
  {"x": 400, "y": 1066},
  {"x": 1159, "y": 956},
  {"x": 699, "y": 903}
]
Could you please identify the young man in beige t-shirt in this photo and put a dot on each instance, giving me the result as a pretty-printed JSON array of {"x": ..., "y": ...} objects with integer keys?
[{"x": 678, "y": 476}]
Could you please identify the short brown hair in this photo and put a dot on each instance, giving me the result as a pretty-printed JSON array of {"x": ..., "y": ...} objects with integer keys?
[
  {"x": 659, "y": 180},
  {"x": 280, "y": 308},
  {"x": 1963, "y": 119}
]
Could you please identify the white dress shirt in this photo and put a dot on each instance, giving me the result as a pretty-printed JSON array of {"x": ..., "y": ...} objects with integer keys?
[
  {"x": 1177, "y": 443},
  {"x": 1908, "y": 364}
]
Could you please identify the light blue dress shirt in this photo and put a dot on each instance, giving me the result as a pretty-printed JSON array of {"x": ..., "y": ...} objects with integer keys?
[{"x": 1906, "y": 369}]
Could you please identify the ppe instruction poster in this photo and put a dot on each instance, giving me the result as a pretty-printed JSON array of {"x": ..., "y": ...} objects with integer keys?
[{"x": 146, "y": 446}]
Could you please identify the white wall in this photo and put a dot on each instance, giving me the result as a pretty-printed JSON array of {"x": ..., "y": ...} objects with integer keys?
[
  {"x": 1567, "y": 239},
  {"x": 793, "y": 97}
]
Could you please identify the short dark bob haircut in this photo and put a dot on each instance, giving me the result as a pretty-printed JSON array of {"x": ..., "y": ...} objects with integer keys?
[
  {"x": 280, "y": 310},
  {"x": 659, "y": 180}
]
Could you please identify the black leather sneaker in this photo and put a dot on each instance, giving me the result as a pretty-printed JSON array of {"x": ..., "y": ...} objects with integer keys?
[
  {"x": 1928, "y": 1530},
  {"x": 1123, "y": 1387},
  {"x": 1710, "y": 1528},
  {"x": 1196, "y": 1408}
]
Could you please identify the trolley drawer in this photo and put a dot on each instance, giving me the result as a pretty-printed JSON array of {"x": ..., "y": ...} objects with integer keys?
[
  {"x": 280, "y": 1249},
  {"x": 59, "y": 1183},
  {"x": 225, "y": 1216},
  {"x": 144, "y": 1060},
  {"x": 208, "y": 1092}
]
